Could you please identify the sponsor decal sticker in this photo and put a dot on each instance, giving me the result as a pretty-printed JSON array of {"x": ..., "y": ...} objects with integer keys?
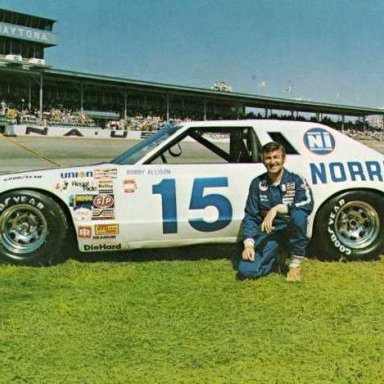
[
  {"x": 82, "y": 214},
  {"x": 74, "y": 175},
  {"x": 108, "y": 173},
  {"x": 103, "y": 214},
  {"x": 104, "y": 238},
  {"x": 93, "y": 207},
  {"x": 337, "y": 172},
  {"x": 102, "y": 247},
  {"x": 107, "y": 229},
  {"x": 61, "y": 185},
  {"x": 84, "y": 232},
  {"x": 319, "y": 141},
  {"x": 105, "y": 186},
  {"x": 130, "y": 185},
  {"x": 83, "y": 186},
  {"x": 104, "y": 201},
  {"x": 85, "y": 201}
]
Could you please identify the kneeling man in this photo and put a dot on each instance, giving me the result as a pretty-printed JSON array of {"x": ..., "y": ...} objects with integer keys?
[{"x": 276, "y": 214}]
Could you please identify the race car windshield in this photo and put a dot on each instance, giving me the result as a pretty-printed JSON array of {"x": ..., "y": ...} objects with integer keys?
[{"x": 138, "y": 151}]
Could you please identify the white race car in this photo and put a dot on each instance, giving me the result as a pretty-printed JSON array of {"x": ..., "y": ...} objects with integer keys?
[{"x": 187, "y": 184}]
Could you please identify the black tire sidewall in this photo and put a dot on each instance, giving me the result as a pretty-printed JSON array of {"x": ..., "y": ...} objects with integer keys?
[
  {"x": 325, "y": 231},
  {"x": 56, "y": 227}
]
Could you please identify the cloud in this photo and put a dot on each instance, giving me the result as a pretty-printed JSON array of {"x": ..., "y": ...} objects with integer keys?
[{"x": 263, "y": 84}]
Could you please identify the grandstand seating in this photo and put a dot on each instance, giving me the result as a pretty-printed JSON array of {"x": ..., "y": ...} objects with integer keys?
[{"x": 358, "y": 129}]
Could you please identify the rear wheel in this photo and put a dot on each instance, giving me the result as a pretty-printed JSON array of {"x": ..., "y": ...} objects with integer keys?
[
  {"x": 32, "y": 228},
  {"x": 351, "y": 225}
]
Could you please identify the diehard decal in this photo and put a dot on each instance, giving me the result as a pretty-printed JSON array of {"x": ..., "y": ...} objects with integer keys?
[{"x": 102, "y": 247}]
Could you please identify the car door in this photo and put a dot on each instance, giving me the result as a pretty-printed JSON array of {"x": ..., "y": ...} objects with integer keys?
[{"x": 192, "y": 191}]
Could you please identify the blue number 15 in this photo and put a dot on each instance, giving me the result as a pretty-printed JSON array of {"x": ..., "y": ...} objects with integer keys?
[{"x": 167, "y": 189}]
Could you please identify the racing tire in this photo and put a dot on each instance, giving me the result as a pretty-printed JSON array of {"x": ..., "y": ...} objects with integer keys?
[
  {"x": 32, "y": 228},
  {"x": 350, "y": 226}
]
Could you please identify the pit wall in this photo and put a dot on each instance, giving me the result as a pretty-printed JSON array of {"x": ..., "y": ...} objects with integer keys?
[{"x": 71, "y": 131}]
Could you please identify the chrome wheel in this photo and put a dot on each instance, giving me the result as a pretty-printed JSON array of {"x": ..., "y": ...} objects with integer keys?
[
  {"x": 23, "y": 229},
  {"x": 357, "y": 224}
]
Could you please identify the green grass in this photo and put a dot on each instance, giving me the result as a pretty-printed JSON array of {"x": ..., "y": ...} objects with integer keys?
[{"x": 190, "y": 322}]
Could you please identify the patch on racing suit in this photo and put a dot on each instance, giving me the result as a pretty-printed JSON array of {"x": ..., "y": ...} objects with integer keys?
[
  {"x": 263, "y": 185},
  {"x": 290, "y": 186}
]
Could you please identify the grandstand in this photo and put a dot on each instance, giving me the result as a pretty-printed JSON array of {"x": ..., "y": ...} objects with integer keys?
[{"x": 32, "y": 91}]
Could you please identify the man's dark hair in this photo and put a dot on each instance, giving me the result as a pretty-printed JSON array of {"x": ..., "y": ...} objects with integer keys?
[{"x": 273, "y": 146}]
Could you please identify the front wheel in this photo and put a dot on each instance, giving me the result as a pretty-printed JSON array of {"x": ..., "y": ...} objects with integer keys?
[
  {"x": 32, "y": 228},
  {"x": 351, "y": 225}
]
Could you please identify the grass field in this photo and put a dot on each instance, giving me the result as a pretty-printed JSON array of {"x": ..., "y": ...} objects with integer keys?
[{"x": 190, "y": 321}]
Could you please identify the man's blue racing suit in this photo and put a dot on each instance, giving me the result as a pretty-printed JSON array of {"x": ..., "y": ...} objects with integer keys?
[{"x": 294, "y": 196}]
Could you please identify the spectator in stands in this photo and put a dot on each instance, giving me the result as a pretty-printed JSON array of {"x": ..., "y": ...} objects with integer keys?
[{"x": 3, "y": 107}]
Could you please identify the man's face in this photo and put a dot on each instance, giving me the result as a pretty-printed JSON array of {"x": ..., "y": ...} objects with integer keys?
[{"x": 274, "y": 161}]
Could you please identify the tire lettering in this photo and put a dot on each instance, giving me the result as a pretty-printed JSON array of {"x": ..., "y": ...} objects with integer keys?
[
  {"x": 342, "y": 248},
  {"x": 21, "y": 199}
]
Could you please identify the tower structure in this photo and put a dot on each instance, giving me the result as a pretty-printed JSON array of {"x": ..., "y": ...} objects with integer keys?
[{"x": 24, "y": 38}]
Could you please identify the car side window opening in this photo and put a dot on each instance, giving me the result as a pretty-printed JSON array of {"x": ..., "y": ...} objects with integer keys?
[
  {"x": 280, "y": 138},
  {"x": 214, "y": 146}
]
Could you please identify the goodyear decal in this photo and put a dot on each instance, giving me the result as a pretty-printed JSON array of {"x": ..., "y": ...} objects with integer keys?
[{"x": 338, "y": 172}]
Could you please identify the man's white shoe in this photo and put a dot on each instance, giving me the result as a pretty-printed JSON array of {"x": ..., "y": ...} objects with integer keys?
[{"x": 294, "y": 274}]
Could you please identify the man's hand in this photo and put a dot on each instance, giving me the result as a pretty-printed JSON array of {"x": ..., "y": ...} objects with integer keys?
[
  {"x": 267, "y": 224},
  {"x": 248, "y": 253}
]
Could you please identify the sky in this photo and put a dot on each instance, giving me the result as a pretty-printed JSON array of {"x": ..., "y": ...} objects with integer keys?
[{"x": 328, "y": 51}]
